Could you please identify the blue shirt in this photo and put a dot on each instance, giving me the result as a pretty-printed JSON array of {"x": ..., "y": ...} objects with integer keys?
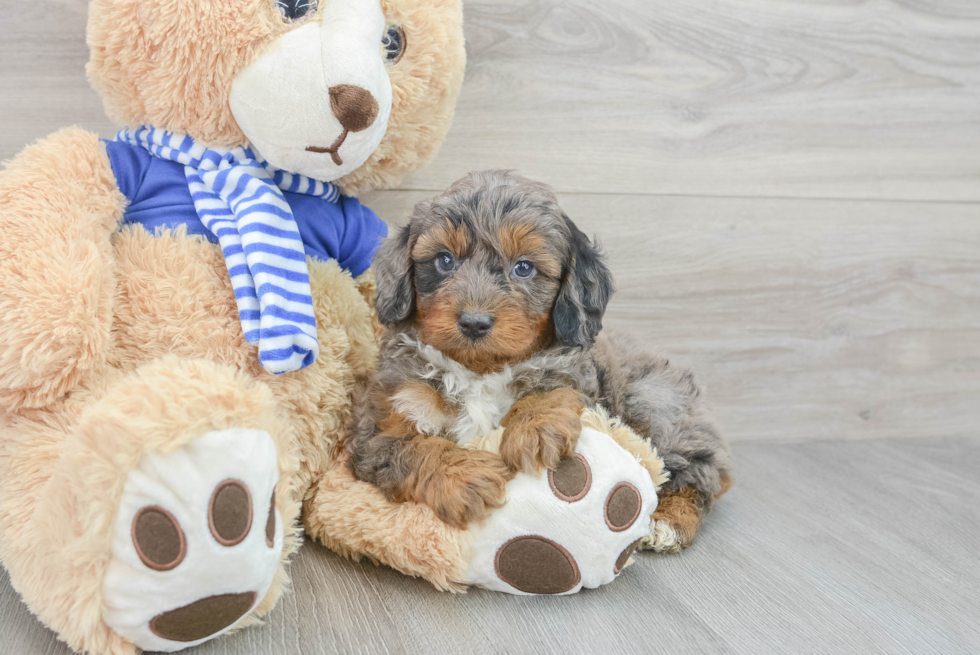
[{"x": 159, "y": 199}]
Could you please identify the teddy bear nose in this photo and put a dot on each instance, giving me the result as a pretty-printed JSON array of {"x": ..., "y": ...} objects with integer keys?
[{"x": 353, "y": 106}]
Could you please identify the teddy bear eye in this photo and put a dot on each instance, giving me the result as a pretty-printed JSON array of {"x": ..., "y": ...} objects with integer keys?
[
  {"x": 393, "y": 44},
  {"x": 295, "y": 9}
]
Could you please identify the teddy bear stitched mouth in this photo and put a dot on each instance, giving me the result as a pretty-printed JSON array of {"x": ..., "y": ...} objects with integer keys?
[
  {"x": 356, "y": 109},
  {"x": 334, "y": 147}
]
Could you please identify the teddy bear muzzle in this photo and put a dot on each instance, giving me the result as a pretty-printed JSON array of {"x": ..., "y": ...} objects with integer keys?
[
  {"x": 356, "y": 109},
  {"x": 325, "y": 119}
]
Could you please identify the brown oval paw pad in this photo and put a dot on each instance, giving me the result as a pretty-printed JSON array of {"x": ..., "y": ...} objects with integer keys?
[
  {"x": 571, "y": 479},
  {"x": 536, "y": 565},
  {"x": 625, "y": 556},
  {"x": 230, "y": 513},
  {"x": 623, "y": 506},
  {"x": 270, "y": 523},
  {"x": 158, "y": 539},
  {"x": 203, "y": 618}
]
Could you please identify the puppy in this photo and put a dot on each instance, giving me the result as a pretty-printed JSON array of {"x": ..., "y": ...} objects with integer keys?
[{"x": 493, "y": 302}]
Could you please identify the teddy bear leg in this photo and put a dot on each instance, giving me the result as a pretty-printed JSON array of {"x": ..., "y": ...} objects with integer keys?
[
  {"x": 355, "y": 519},
  {"x": 59, "y": 206},
  {"x": 167, "y": 516}
]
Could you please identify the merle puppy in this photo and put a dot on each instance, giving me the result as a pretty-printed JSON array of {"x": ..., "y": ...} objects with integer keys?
[{"x": 493, "y": 301}]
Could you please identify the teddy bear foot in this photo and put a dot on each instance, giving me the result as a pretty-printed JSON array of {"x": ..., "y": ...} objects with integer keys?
[
  {"x": 197, "y": 541},
  {"x": 577, "y": 526}
]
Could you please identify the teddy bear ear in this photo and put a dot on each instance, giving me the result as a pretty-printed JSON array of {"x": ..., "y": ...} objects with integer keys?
[{"x": 395, "y": 300}]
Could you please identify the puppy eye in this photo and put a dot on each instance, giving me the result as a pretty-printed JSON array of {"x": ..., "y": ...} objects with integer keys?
[
  {"x": 295, "y": 9},
  {"x": 393, "y": 44},
  {"x": 523, "y": 269},
  {"x": 445, "y": 262}
]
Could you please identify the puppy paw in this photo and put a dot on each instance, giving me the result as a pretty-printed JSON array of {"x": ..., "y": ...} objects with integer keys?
[
  {"x": 663, "y": 538},
  {"x": 470, "y": 483},
  {"x": 676, "y": 521},
  {"x": 540, "y": 430}
]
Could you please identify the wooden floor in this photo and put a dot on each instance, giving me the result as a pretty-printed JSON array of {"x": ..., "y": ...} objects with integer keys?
[
  {"x": 789, "y": 193},
  {"x": 859, "y": 547}
]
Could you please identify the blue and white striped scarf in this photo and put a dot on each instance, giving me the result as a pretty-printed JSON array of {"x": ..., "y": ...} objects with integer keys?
[{"x": 238, "y": 198}]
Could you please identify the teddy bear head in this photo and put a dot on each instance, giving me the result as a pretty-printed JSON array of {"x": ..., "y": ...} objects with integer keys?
[{"x": 354, "y": 91}]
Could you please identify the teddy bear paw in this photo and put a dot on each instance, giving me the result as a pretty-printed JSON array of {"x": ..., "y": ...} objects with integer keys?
[
  {"x": 576, "y": 526},
  {"x": 197, "y": 541}
]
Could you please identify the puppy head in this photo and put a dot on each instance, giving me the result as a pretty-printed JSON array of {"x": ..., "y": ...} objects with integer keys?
[{"x": 491, "y": 272}]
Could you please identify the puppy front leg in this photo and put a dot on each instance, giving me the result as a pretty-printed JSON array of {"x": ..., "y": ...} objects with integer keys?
[
  {"x": 540, "y": 429},
  {"x": 460, "y": 485}
]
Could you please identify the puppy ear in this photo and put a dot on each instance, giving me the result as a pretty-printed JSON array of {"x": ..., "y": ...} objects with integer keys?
[
  {"x": 585, "y": 290},
  {"x": 394, "y": 276}
]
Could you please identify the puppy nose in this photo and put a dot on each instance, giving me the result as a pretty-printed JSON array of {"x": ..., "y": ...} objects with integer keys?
[
  {"x": 475, "y": 326},
  {"x": 353, "y": 106}
]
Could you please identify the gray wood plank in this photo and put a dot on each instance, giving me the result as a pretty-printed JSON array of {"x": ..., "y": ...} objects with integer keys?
[
  {"x": 732, "y": 97},
  {"x": 42, "y": 73},
  {"x": 821, "y": 547},
  {"x": 741, "y": 98},
  {"x": 804, "y": 319}
]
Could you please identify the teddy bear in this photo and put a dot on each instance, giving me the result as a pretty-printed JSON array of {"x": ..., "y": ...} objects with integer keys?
[
  {"x": 187, "y": 313},
  {"x": 187, "y": 308}
]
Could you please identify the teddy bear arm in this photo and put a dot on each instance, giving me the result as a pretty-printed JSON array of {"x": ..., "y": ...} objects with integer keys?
[{"x": 59, "y": 206}]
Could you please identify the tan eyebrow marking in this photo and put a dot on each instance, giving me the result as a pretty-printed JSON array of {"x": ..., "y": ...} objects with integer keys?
[
  {"x": 442, "y": 237},
  {"x": 522, "y": 240}
]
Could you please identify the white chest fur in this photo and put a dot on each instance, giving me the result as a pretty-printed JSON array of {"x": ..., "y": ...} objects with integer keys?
[{"x": 482, "y": 401}]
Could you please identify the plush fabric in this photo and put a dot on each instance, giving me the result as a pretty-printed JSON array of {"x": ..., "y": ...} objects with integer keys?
[
  {"x": 169, "y": 296},
  {"x": 173, "y": 64},
  {"x": 354, "y": 519},
  {"x": 589, "y": 544},
  {"x": 172, "y": 300},
  {"x": 238, "y": 199},
  {"x": 159, "y": 199},
  {"x": 47, "y": 346},
  {"x": 340, "y": 110},
  {"x": 137, "y": 598},
  {"x": 59, "y": 501}
]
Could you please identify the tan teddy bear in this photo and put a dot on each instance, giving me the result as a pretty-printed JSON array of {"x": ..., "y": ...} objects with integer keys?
[{"x": 185, "y": 310}]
